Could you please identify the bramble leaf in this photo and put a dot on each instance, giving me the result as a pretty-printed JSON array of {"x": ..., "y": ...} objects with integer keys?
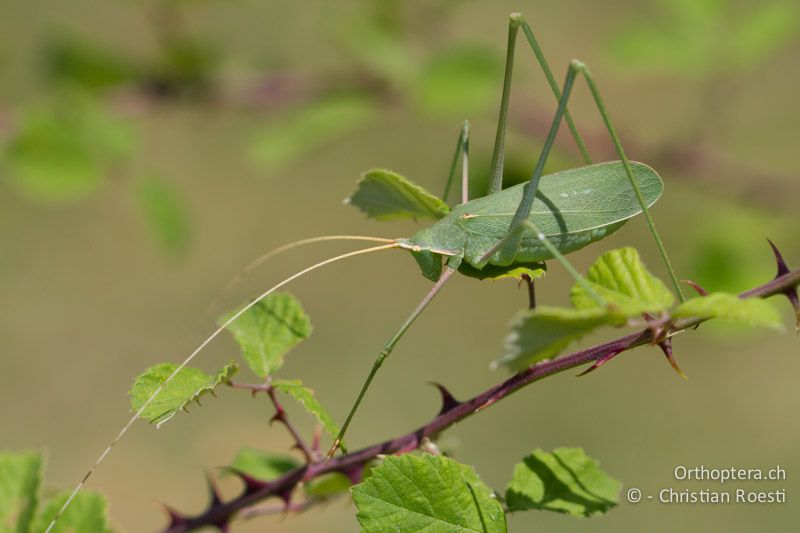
[
  {"x": 309, "y": 128},
  {"x": 426, "y": 493},
  {"x": 164, "y": 212},
  {"x": 565, "y": 481},
  {"x": 187, "y": 386},
  {"x": 262, "y": 465},
  {"x": 310, "y": 403},
  {"x": 20, "y": 477},
  {"x": 268, "y": 330},
  {"x": 495, "y": 272},
  {"x": 327, "y": 485},
  {"x": 385, "y": 195},
  {"x": 541, "y": 333},
  {"x": 725, "y": 306},
  {"x": 62, "y": 152},
  {"x": 87, "y": 512},
  {"x": 621, "y": 279}
]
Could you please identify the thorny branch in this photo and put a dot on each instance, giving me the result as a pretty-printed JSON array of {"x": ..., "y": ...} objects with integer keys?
[
  {"x": 220, "y": 513},
  {"x": 280, "y": 415}
]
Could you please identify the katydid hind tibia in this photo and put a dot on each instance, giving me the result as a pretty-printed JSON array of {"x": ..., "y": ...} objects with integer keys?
[{"x": 506, "y": 230}]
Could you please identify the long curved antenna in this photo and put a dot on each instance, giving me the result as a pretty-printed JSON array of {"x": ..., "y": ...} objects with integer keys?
[
  {"x": 247, "y": 270},
  {"x": 191, "y": 356}
]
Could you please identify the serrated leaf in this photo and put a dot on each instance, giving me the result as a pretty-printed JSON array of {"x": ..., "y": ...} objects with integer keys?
[
  {"x": 385, "y": 195},
  {"x": 62, "y": 152},
  {"x": 305, "y": 397},
  {"x": 621, "y": 279},
  {"x": 87, "y": 512},
  {"x": 428, "y": 493},
  {"x": 459, "y": 81},
  {"x": 542, "y": 333},
  {"x": 20, "y": 477},
  {"x": 263, "y": 465},
  {"x": 307, "y": 129},
  {"x": 725, "y": 306},
  {"x": 187, "y": 386},
  {"x": 165, "y": 213},
  {"x": 565, "y": 481},
  {"x": 495, "y": 272},
  {"x": 268, "y": 330}
]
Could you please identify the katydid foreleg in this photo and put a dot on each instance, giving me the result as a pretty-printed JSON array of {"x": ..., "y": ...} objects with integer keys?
[{"x": 462, "y": 153}]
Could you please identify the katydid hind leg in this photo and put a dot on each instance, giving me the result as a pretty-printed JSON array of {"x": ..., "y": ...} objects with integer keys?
[
  {"x": 515, "y": 22},
  {"x": 386, "y": 351}
]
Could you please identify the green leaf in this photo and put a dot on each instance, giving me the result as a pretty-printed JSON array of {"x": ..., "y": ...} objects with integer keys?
[
  {"x": 459, "y": 81},
  {"x": 305, "y": 397},
  {"x": 765, "y": 30},
  {"x": 564, "y": 481},
  {"x": 62, "y": 152},
  {"x": 725, "y": 306},
  {"x": 426, "y": 493},
  {"x": 87, "y": 512},
  {"x": 165, "y": 213},
  {"x": 384, "y": 195},
  {"x": 494, "y": 272},
  {"x": 309, "y": 128},
  {"x": 542, "y": 333},
  {"x": 70, "y": 59},
  {"x": 327, "y": 485},
  {"x": 187, "y": 386},
  {"x": 621, "y": 279},
  {"x": 20, "y": 477},
  {"x": 268, "y": 330},
  {"x": 263, "y": 465}
]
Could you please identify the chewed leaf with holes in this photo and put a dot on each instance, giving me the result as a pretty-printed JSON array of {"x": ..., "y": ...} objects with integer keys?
[
  {"x": 384, "y": 195},
  {"x": 428, "y": 493},
  {"x": 20, "y": 477},
  {"x": 543, "y": 332},
  {"x": 187, "y": 386},
  {"x": 87, "y": 512},
  {"x": 621, "y": 279},
  {"x": 262, "y": 465},
  {"x": 268, "y": 330},
  {"x": 565, "y": 481},
  {"x": 748, "y": 311},
  {"x": 305, "y": 397}
]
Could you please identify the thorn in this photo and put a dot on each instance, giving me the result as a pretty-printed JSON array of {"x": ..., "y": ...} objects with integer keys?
[
  {"x": 176, "y": 519},
  {"x": 448, "y": 400},
  {"x": 790, "y": 293},
  {"x": 696, "y": 286},
  {"x": 599, "y": 362},
  {"x": 782, "y": 268},
  {"x": 213, "y": 490},
  {"x": 354, "y": 472},
  {"x": 251, "y": 484},
  {"x": 276, "y": 417},
  {"x": 666, "y": 347}
]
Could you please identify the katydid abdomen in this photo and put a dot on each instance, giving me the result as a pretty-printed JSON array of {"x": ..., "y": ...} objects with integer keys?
[{"x": 572, "y": 209}]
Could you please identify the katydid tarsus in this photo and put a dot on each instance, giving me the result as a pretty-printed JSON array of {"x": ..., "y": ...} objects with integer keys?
[{"x": 517, "y": 227}]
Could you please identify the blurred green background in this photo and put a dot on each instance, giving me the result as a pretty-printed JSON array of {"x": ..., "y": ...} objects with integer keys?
[{"x": 149, "y": 150}]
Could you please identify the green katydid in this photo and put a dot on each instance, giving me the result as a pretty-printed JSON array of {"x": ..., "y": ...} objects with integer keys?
[{"x": 504, "y": 231}]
